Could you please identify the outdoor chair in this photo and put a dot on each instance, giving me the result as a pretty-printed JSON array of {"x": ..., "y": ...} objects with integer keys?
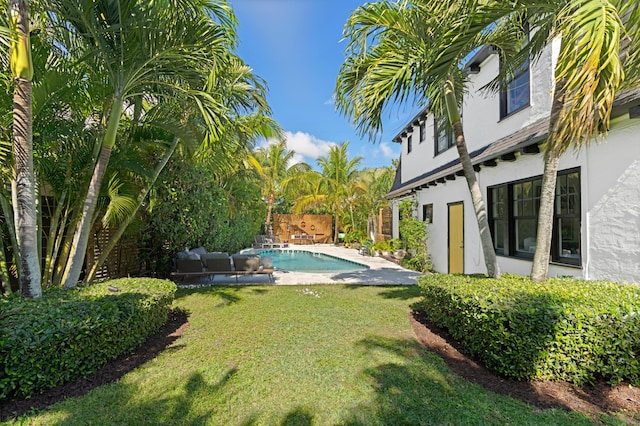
[
  {"x": 186, "y": 266},
  {"x": 246, "y": 262},
  {"x": 218, "y": 263}
]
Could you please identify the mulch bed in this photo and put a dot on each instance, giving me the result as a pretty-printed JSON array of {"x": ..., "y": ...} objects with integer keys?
[{"x": 591, "y": 400}]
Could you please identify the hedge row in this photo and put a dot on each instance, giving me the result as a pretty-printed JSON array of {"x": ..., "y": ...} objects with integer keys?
[
  {"x": 564, "y": 329},
  {"x": 69, "y": 334}
]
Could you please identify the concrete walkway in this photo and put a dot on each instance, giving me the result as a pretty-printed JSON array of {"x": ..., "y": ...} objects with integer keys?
[{"x": 380, "y": 272}]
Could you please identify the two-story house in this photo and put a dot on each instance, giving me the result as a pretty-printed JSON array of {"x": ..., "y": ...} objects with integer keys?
[{"x": 596, "y": 231}]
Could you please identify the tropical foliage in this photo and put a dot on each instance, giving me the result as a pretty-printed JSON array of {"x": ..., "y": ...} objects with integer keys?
[
  {"x": 407, "y": 50},
  {"x": 119, "y": 88},
  {"x": 413, "y": 237},
  {"x": 276, "y": 170}
]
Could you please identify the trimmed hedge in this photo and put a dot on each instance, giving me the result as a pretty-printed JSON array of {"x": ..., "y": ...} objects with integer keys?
[
  {"x": 69, "y": 334},
  {"x": 563, "y": 329}
]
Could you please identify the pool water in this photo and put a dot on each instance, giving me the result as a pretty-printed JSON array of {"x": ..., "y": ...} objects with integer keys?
[{"x": 305, "y": 261}]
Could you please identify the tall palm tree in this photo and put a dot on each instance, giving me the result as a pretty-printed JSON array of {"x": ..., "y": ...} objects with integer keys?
[
  {"x": 24, "y": 181},
  {"x": 273, "y": 165},
  {"x": 131, "y": 48},
  {"x": 335, "y": 184},
  {"x": 403, "y": 50}
]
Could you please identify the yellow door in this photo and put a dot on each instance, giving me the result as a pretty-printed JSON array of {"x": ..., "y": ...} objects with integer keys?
[{"x": 456, "y": 238}]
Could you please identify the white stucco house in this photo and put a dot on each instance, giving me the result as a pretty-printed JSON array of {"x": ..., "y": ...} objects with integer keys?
[{"x": 597, "y": 211}]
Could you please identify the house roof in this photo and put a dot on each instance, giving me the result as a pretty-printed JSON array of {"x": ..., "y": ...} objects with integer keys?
[
  {"x": 525, "y": 140},
  {"x": 528, "y": 136}
]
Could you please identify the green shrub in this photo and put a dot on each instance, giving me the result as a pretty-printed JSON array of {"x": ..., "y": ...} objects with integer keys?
[
  {"x": 563, "y": 329},
  {"x": 413, "y": 235},
  {"x": 69, "y": 334}
]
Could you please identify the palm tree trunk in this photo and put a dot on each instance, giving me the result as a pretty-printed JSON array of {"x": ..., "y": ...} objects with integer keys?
[
  {"x": 51, "y": 238},
  {"x": 540, "y": 265},
  {"x": 123, "y": 226},
  {"x": 479, "y": 207},
  {"x": 544, "y": 233},
  {"x": 25, "y": 208},
  {"x": 81, "y": 237},
  {"x": 270, "y": 201}
]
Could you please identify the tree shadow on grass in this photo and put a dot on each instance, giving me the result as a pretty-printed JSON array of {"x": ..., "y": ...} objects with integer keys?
[
  {"x": 419, "y": 389},
  {"x": 299, "y": 416},
  {"x": 126, "y": 407},
  {"x": 402, "y": 293},
  {"x": 229, "y": 294}
]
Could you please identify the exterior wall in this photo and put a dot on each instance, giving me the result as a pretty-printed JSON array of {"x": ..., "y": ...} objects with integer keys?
[
  {"x": 395, "y": 214},
  {"x": 612, "y": 222},
  {"x": 481, "y": 115},
  {"x": 610, "y": 209}
]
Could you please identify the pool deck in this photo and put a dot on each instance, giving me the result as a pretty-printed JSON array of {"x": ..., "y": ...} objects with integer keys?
[{"x": 380, "y": 272}]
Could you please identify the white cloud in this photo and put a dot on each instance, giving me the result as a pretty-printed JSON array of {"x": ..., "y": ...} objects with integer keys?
[
  {"x": 307, "y": 147},
  {"x": 388, "y": 151}
]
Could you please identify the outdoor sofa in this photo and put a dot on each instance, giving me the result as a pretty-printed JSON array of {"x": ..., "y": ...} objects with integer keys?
[{"x": 197, "y": 264}]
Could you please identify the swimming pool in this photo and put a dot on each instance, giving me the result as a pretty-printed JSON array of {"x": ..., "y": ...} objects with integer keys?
[{"x": 305, "y": 261}]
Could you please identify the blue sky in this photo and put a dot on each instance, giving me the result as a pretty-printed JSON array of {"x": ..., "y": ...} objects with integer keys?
[{"x": 295, "y": 46}]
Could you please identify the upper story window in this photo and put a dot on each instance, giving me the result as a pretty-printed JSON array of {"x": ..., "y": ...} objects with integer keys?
[
  {"x": 515, "y": 96},
  {"x": 409, "y": 144},
  {"x": 423, "y": 131},
  {"x": 443, "y": 137}
]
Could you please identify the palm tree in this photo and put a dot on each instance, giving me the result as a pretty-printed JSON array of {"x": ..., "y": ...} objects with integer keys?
[
  {"x": 335, "y": 185},
  {"x": 131, "y": 48},
  {"x": 375, "y": 184},
  {"x": 399, "y": 50},
  {"x": 589, "y": 71},
  {"x": 273, "y": 166},
  {"x": 588, "y": 74},
  {"x": 24, "y": 181}
]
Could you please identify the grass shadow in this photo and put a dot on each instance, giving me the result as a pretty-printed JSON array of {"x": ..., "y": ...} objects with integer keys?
[
  {"x": 419, "y": 389},
  {"x": 299, "y": 416}
]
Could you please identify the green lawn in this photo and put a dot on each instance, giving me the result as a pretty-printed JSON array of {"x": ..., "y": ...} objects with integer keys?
[{"x": 321, "y": 355}]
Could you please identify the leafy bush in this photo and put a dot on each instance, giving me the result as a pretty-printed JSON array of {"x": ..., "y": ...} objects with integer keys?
[
  {"x": 190, "y": 208},
  {"x": 413, "y": 235},
  {"x": 69, "y": 334},
  {"x": 563, "y": 329}
]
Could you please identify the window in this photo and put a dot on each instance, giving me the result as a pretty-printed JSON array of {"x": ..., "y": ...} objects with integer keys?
[
  {"x": 566, "y": 221},
  {"x": 443, "y": 137},
  {"x": 514, "y": 217},
  {"x": 515, "y": 95},
  {"x": 409, "y": 144},
  {"x": 427, "y": 213},
  {"x": 423, "y": 131},
  {"x": 499, "y": 221}
]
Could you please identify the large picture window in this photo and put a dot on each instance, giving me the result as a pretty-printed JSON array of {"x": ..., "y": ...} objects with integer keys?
[{"x": 514, "y": 217}]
